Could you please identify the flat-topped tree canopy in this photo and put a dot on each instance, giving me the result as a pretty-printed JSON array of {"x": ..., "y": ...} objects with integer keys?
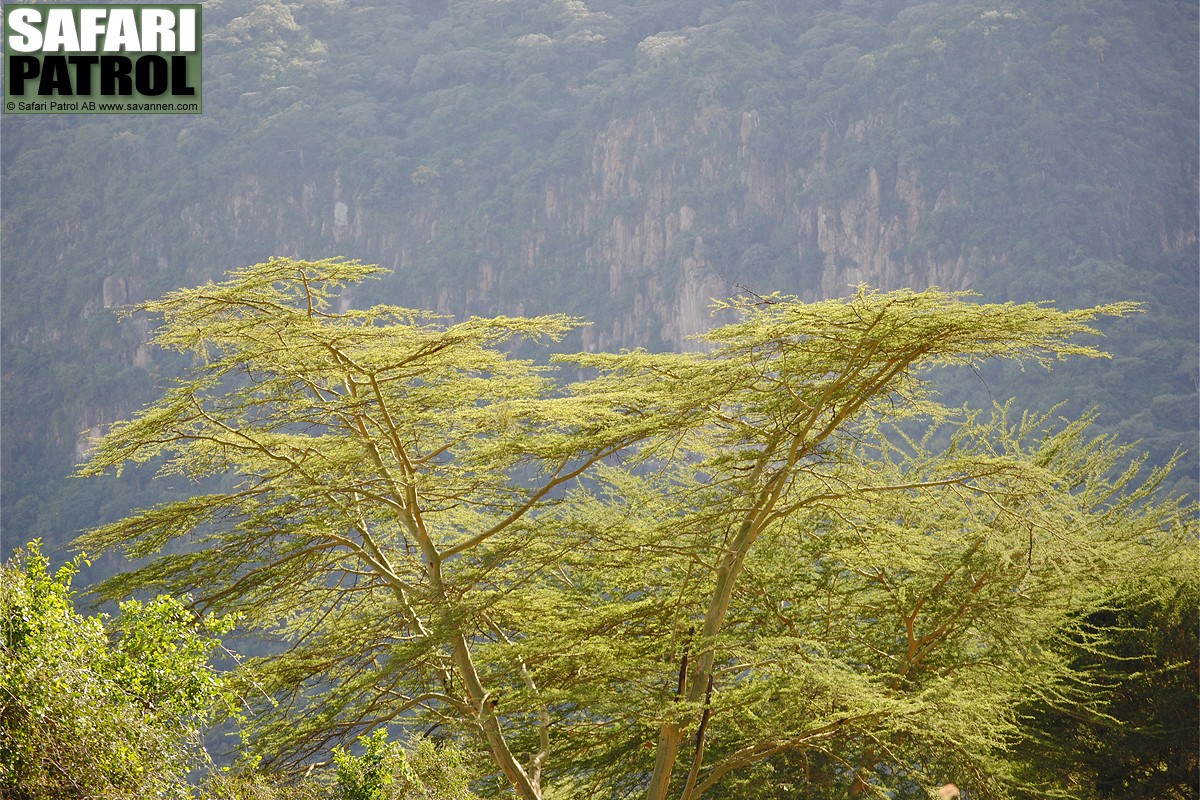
[{"x": 660, "y": 577}]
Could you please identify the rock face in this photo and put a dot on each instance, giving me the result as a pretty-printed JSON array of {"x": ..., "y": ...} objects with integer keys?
[
  {"x": 115, "y": 291},
  {"x": 628, "y": 183},
  {"x": 666, "y": 218},
  {"x": 671, "y": 211},
  {"x": 697, "y": 180}
]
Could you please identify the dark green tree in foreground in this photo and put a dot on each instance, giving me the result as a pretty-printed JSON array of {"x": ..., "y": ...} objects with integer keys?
[
  {"x": 113, "y": 708},
  {"x": 778, "y": 563},
  {"x": 1143, "y": 741},
  {"x": 92, "y": 707}
]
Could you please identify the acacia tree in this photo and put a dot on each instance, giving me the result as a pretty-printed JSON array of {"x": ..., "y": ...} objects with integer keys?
[
  {"x": 746, "y": 549},
  {"x": 386, "y": 466},
  {"x": 884, "y": 633},
  {"x": 870, "y": 603}
]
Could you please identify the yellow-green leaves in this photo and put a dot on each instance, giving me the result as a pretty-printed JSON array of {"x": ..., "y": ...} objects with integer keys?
[{"x": 670, "y": 571}]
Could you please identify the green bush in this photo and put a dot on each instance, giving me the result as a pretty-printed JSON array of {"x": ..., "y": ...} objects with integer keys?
[
  {"x": 386, "y": 771},
  {"x": 92, "y": 707}
]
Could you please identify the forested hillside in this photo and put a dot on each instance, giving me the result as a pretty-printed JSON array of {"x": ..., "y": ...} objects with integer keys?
[{"x": 625, "y": 161}]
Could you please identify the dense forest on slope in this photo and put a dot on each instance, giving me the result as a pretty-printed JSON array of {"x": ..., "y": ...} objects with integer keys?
[{"x": 625, "y": 161}]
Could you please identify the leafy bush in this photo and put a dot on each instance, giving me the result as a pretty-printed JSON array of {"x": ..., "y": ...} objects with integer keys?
[
  {"x": 385, "y": 771},
  {"x": 93, "y": 707}
]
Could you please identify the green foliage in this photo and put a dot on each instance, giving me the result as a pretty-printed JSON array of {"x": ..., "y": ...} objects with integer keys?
[
  {"x": 249, "y": 784},
  {"x": 1139, "y": 739},
  {"x": 379, "y": 770},
  {"x": 680, "y": 572},
  {"x": 93, "y": 708},
  {"x": 386, "y": 771},
  {"x": 369, "y": 776}
]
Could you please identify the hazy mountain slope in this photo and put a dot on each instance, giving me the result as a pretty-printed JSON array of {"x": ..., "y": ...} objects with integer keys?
[{"x": 625, "y": 161}]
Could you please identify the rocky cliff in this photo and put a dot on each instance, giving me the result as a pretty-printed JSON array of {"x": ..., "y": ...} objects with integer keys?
[{"x": 672, "y": 211}]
